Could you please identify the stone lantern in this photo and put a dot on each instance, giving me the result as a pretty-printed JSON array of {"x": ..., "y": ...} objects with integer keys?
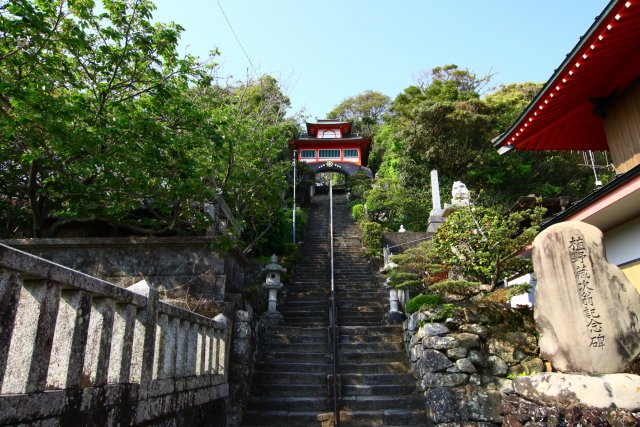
[{"x": 273, "y": 284}]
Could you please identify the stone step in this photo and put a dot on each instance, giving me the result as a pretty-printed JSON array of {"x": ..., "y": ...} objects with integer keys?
[
  {"x": 363, "y": 379},
  {"x": 315, "y": 296},
  {"x": 315, "y": 307},
  {"x": 305, "y": 347},
  {"x": 304, "y": 404},
  {"x": 310, "y": 318},
  {"x": 295, "y": 311},
  {"x": 307, "y": 324},
  {"x": 297, "y": 357},
  {"x": 354, "y": 339},
  {"x": 284, "y": 390},
  {"x": 273, "y": 366},
  {"x": 377, "y": 330},
  {"x": 279, "y": 418},
  {"x": 388, "y": 356},
  {"x": 265, "y": 378},
  {"x": 361, "y": 323},
  {"x": 371, "y": 347},
  {"x": 289, "y": 330},
  {"x": 398, "y": 367},
  {"x": 366, "y": 403},
  {"x": 378, "y": 390},
  {"x": 358, "y": 309},
  {"x": 355, "y": 320},
  {"x": 386, "y": 417},
  {"x": 304, "y": 302}
]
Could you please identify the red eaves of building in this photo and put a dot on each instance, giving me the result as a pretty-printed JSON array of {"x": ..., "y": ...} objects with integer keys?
[{"x": 603, "y": 63}]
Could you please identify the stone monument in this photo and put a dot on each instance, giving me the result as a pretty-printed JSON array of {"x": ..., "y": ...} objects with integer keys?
[
  {"x": 586, "y": 310},
  {"x": 436, "y": 216}
]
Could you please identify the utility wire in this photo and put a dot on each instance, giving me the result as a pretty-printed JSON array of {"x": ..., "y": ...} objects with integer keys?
[{"x": 237, "y": 39}]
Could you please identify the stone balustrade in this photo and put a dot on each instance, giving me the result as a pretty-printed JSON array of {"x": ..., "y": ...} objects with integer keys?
[{"x": 74, "y": 348}]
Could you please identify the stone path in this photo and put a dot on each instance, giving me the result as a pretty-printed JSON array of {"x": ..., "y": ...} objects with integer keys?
[{"x": 290, "y": 386}]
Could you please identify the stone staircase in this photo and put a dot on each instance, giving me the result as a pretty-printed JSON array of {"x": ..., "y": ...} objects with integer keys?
[{"x": 290, "y": 385}]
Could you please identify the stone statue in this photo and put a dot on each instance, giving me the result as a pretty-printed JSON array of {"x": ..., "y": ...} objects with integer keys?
[{"x": 460, "y": 194}]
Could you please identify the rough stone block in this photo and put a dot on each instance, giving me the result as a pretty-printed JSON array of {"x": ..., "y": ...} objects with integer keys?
[
  {"x": 481, "y": 405},
  {"x": 432, "y": 361},
  {"x": 466, "y": 366},
  {"x": 477, "y": 358},
  {"x": 565, "y": 390},
  {"x": 475, "y": 328},
  {"x": 457, "y": 352},
  {"x": 496, "y": 366},
  {"x": 434, "y": 380},
  {"x": 466, "y": 339},
  {"x": 432, "y": 329},
  {"x": 441, "y": 405},
  {"x": 440, "y": 343}
]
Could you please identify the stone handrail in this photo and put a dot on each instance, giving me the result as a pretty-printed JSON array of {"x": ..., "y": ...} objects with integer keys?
[{"x": 64, "y": 330}]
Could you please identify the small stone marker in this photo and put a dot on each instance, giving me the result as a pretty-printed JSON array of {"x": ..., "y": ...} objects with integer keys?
[{"x": 586, "y": 310}]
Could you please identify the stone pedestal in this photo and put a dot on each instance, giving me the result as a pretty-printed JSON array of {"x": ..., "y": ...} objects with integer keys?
[
  {"x": 272, "y": 319},
  {"x": 436, "y": 218},
  {"x": 394, "y": 316},
  {"x": 273, "y": 296},
  {"x": 586, "y": 310}
]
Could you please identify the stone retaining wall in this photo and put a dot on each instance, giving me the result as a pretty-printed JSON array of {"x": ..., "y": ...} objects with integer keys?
[
  {"x": 464, "y": 364},
  {"x": 75, "y": 350},
  {"x": 481, "y": 367},
  {"x": 177, "y": 266}
]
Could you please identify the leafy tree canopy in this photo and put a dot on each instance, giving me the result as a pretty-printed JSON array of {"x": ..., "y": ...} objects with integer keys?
[
  {"x": 365, "y": 110},
  {"x": 102, "y": 120}
]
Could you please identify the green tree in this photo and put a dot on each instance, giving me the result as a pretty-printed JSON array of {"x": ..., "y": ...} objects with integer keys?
[
  {"x": 480, "y": 243},
  {"x": 365, "y": 110},
  {"x": 101, "y": 119},
  {"x": 253, "y": 156},
  {"x": 392, "y": 204},
  {"x": 84, "y": 134}
]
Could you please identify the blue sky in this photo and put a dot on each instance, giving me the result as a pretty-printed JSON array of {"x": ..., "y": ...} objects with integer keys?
[{"x": 325, "y": 51}]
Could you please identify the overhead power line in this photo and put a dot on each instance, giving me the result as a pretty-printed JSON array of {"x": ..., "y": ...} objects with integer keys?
[{"x": 237, "y": 38}]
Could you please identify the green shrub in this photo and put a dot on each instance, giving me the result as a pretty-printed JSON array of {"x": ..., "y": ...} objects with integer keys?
[
  {"x": 258, "y": 297},
  {"x": 276, "y": 238},
  {"x": 357, "y": 212},
  {"x": 372, "y": 235},
  {"x": 406, "y": 280},
  {"x": 457, "y": 287},
  {"x": 419, "y": 301},
  {"x": 504, "y": 295}
]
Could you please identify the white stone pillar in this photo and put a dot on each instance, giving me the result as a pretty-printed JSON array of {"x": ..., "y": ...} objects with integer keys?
[
  {"x": 435, "y": 193},
  {"x": 436, "y": 216}
]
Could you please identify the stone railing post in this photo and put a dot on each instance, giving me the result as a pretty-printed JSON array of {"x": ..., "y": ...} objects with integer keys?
[
  {"x": 144, "y": 334},
  {"x": 10, "y": 284},
  {"x": 222, "y": 349},
  {"x": 122, "y": 344},
  {"x": 98, "y": 349},
  {"x": 72, "y": 328},
  {"x": 32, "y": 337}
]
